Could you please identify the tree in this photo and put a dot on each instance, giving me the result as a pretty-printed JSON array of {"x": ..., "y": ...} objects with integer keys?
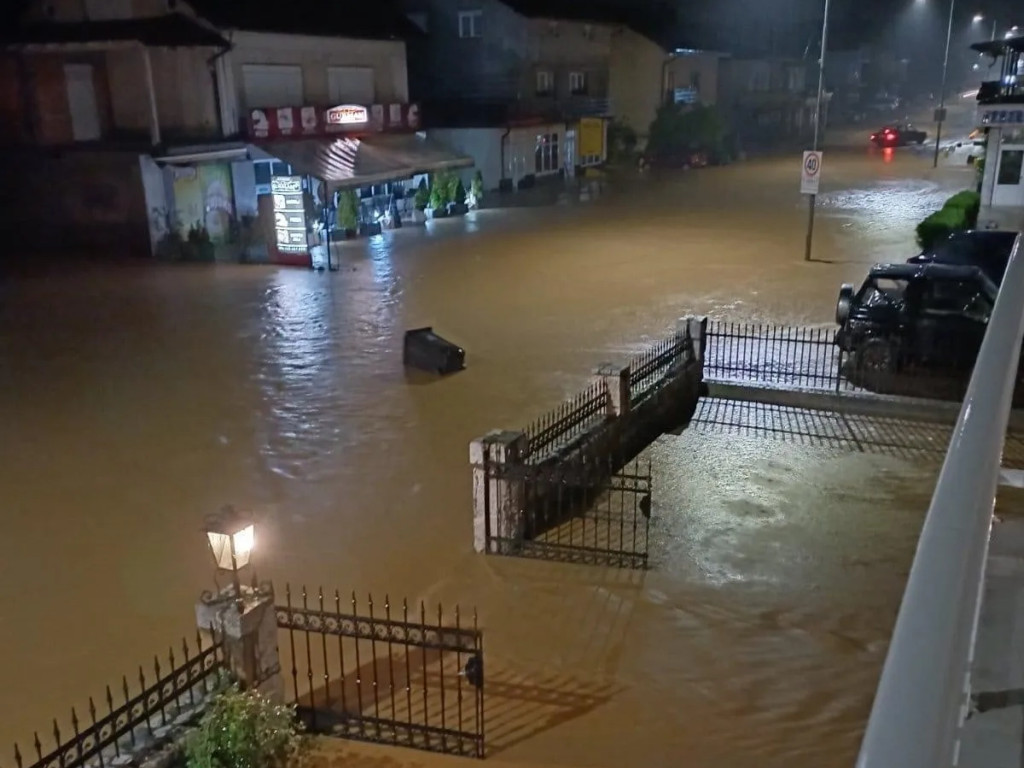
[
  {"x": 679, "y": 131},
  {"x": 246, "y": 730},
  {"x": 348, "y": 210}
]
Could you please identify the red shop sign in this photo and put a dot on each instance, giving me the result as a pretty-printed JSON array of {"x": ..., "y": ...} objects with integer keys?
[{"x": 297, "y": 122}]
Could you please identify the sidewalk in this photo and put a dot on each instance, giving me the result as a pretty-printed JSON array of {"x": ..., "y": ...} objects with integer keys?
[{"x": 993, "y": 737}]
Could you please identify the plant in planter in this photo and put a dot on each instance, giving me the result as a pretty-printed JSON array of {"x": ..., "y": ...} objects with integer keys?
[
  {"x": 199, "y": 247},
  {"x": 246, "y": 730},
  {"x": 476, "y": 191},
  {"x": 420, "y": 201},
  {"x": 437, "y": 205},
  {"x": 457, "y": 206},
  {"x": 348, "y": 213}
]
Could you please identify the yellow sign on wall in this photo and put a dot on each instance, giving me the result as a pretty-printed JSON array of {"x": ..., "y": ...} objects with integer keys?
[{"x": 591, "y": 137}]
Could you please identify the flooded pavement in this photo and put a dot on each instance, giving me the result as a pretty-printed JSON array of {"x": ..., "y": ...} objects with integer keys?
[{"x": 134, "y": 400}]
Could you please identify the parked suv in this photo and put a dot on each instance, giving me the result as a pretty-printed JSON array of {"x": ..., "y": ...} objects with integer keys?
[
  {"x": 921, "y": 315},
  {"x": 988, "y": 249}
]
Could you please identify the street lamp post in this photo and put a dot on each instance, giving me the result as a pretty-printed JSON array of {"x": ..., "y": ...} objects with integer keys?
[
  {"x": 941, "y": 113},
  {"x": 817, "y": 129}
]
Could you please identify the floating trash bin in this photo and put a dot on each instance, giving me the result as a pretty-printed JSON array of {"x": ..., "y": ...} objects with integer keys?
[{"x": 427, "y": 351}]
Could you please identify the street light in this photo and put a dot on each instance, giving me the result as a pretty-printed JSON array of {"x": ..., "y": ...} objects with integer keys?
[
  {"x": 232, "y": 538},
  {"x": 980, "y": 17},
  {"x": 940, "y": 113}
]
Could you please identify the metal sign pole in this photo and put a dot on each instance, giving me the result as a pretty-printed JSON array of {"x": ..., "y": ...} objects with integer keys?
[
  {"x": 817, "y": 129},
  {"x": 941, "y": 112}
]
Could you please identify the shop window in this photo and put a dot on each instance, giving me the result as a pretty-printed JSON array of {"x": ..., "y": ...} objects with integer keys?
[
  {"x": 1010, "y": 167},
  {"x": 262, "y": 173},
  {"x": 545, "y": 83},
  {"x": 471, "y": 23},
  {"x": 282, "y": 169},
  {"x": 578, "y": 83},
  {"x": 546, "y": 154}
]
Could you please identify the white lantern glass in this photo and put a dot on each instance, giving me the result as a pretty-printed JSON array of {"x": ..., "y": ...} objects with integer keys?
[{"x": 220, "y": 544}]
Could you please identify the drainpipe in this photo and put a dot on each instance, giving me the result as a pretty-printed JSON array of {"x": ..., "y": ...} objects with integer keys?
[
  {"x": 664, "y": 79},
  {"x": 211, "y": 64},
  {"x": 504, "y": 141},
  {"x": 154, "y": 116}
]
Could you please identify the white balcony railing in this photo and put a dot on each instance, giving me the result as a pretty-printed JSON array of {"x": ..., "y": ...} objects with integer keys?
[{"x": 924, "y": 691}]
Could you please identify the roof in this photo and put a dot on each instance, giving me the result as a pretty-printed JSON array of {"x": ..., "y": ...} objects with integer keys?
[
  {"x": 933, "y": 271},
  {"x": 649, "y": 22},
  {"x": 172, "y": 30},
  {"x": 1000, "y": 47},
  {"x": 375, "y": 20}
]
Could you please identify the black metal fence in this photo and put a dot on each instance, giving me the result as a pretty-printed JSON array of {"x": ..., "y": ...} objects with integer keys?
[
  {"x": 649, "y": 369},
  {"x": 123, "y": 723},
  {"x": 582, "y": 512},
  {"x": 390, "y": 676},
  {"x": 773, "y": 354},
  {"x": 560, "y": 427}
]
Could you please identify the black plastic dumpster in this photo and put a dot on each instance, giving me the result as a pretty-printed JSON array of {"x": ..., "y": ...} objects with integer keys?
[{"x": 427, "y": 351}]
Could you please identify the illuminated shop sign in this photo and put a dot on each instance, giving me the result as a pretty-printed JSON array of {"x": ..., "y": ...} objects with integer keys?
[
  {"x": 1002, "y": 117},
  {"x": 289, "y": 213},
  {"x": 347, "y": 114}
]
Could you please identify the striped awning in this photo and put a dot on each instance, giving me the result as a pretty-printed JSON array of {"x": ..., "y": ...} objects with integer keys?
[{"x": 349, "y": 162}]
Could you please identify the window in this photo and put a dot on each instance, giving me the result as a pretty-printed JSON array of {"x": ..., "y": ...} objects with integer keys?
[
  {"x": 1010, "y": 167},
  {"x": 577, "y": 83},
  {"x": 546, "y": 155},
  {"x": 882, "y": 292},
  {"x": 695, "y": 81},
  {"x": 471, "y": 23},
  {"x": 545, "y": 83},
  {"x": 794, "y": 80}
]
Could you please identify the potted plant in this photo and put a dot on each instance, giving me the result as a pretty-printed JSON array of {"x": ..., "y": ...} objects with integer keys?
[
  {"x": 348, "y": 213},
  {"x": 457, "y": 206},
  {"x": 476, "y": 191},
  {"x": 246, "y": 729},
  {"x": 437, "y": 205},
  {"x": 199, "y": 247},
  {"x": 420, "y": 201}
]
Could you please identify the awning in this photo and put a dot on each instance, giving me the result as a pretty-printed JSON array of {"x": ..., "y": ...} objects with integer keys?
[{"x": 347, "y": 162}]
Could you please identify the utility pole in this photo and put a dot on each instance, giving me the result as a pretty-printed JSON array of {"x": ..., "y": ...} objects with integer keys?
[
  {"x": 941, "y": 113},
  {"x": 817, "y": 129}
]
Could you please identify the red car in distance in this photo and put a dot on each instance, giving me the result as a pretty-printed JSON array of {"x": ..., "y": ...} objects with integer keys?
[{"x": 898, "y": 136}]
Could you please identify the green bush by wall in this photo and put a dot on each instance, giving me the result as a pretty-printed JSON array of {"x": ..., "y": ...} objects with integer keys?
[{"x": 958, "y": 213}]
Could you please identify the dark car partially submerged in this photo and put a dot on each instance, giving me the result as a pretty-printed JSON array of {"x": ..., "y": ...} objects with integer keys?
[{"x": 922, "y": 315}]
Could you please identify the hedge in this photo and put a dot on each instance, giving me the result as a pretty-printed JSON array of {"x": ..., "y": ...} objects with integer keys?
[{"x": 959, "y": 212}]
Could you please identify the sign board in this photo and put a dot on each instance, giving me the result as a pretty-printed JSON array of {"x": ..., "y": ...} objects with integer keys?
[
  {"x": 289, "y": 213},
  {"x": 591, "y": 137},
  {"x": 940, "y": 115},
  {"x": 1002, "y": 117},
  {"x": 309, "y": 121},
  {"x": 347, "y": 114},
  {"x": 811, "y": 175}
]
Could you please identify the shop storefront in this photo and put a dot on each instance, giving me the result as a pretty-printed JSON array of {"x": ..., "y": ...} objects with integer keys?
[
  {"x": 1003, "y": 183},
  {"x": 278, "y": 196}
]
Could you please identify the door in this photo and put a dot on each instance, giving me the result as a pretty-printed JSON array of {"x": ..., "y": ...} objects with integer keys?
[
  {"x": 1008, "y": 189},
  {"x": 85, "y": 115},
  {"x": 570, "y": 153},
  {"x": 350, "y": 85},
  {"x": 951, "y": 323},
  {"x": 272, "y": 85}
]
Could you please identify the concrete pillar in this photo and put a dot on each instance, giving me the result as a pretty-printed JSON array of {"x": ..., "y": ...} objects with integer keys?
[
  {"x": 249, "y": 633},
  {"x": 616, "y": 379},
  {"x": 696, "y": 329},
  {"x": 497, "y": 488}
]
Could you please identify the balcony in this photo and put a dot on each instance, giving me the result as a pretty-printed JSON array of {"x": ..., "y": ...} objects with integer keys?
[{"x": 1001, "y": 92}]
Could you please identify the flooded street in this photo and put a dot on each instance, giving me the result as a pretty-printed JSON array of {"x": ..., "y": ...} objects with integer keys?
[{"x": 136, "y": 399}]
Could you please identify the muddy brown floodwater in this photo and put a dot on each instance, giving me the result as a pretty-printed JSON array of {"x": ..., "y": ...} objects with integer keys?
[{"x": 135, "y": 399}]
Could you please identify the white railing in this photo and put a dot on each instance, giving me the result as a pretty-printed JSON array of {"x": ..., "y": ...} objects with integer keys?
[{"x": 924, "y": 690}]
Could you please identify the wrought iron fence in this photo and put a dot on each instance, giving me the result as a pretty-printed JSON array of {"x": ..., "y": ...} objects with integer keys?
[
  {"x": 773, "y": 354},
  {"x": 123, "y": 723},
  {"x": 560, "y": 427},
  {"x": 648, "y": 369},
  {"x": 581, "y": 511},
  {"x": 398, "y": 679}
]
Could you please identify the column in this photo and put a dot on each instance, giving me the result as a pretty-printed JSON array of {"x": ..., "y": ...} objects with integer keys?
[
  {"x": 498, "y": 477},
  {"x": 616, "y": 379}
]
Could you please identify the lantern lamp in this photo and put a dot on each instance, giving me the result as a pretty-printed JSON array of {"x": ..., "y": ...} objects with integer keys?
[{"x": 232, "y": 538}]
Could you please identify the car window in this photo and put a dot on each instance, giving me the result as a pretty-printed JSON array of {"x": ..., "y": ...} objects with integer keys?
[
  {"x": 953, "y": 297},
  {"x": 882, "y": 291}
]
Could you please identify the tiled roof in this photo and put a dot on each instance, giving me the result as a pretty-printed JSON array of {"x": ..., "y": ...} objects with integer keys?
[{"x": 172, "y": 30}]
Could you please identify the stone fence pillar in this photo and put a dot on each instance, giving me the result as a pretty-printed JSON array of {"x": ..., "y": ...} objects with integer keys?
[
  {"x": 697, "y": 329},
  {"x": 616, "y": 380},
  {"x": 248, "y": 629},
  {"x": 498, "y": 478}
]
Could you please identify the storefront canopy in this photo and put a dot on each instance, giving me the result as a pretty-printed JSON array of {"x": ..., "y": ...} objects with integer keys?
[{"x": 346, "y": 162}]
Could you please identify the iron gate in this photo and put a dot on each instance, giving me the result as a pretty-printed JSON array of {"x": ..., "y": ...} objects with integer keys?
[
  {"x": 402, "y": 680},
  {"x": 574, "y": 511}
]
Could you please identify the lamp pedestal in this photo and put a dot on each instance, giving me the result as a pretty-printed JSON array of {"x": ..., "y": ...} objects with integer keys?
[{"x": 247, "y": 625}]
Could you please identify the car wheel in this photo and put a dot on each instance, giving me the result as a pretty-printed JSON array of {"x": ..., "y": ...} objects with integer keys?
[{"x": 876, "y": 356}]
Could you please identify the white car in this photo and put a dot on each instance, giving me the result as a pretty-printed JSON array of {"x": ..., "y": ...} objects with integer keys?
[{"x": 964, "y": 151}]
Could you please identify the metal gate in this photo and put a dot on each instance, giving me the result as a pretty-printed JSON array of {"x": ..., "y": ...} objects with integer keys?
[
  {"x": 574, "y": 511},
  {"x": 393, "y": 676}
]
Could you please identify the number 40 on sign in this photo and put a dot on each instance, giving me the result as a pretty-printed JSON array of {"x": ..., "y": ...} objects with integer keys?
[{"x": 811, "y": 173}]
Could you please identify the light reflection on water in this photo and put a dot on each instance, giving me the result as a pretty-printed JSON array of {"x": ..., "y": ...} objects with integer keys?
[{"x": 136, "y": 400}]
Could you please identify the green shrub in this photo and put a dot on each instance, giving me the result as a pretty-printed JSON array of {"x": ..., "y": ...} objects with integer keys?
[
  {"x": 246, "y": 730},
  {"x": 436, "y": 197},
  {"x": 477, "y": 185},
  {"x": 422, "y": 198},
  {"x": 940, "y": 225},
  {"x": 348, "y": 210},
  {"x": 969, "y": 202},
  {"x": 460, "y": 192}
]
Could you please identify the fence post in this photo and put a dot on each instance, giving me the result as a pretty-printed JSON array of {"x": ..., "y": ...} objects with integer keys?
[
  {"x": 249, "y": 633},
  {"x": 496, "y": 459},
  {"x": 696, "y": 329},
  {"x": 615, "y": 379}
]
